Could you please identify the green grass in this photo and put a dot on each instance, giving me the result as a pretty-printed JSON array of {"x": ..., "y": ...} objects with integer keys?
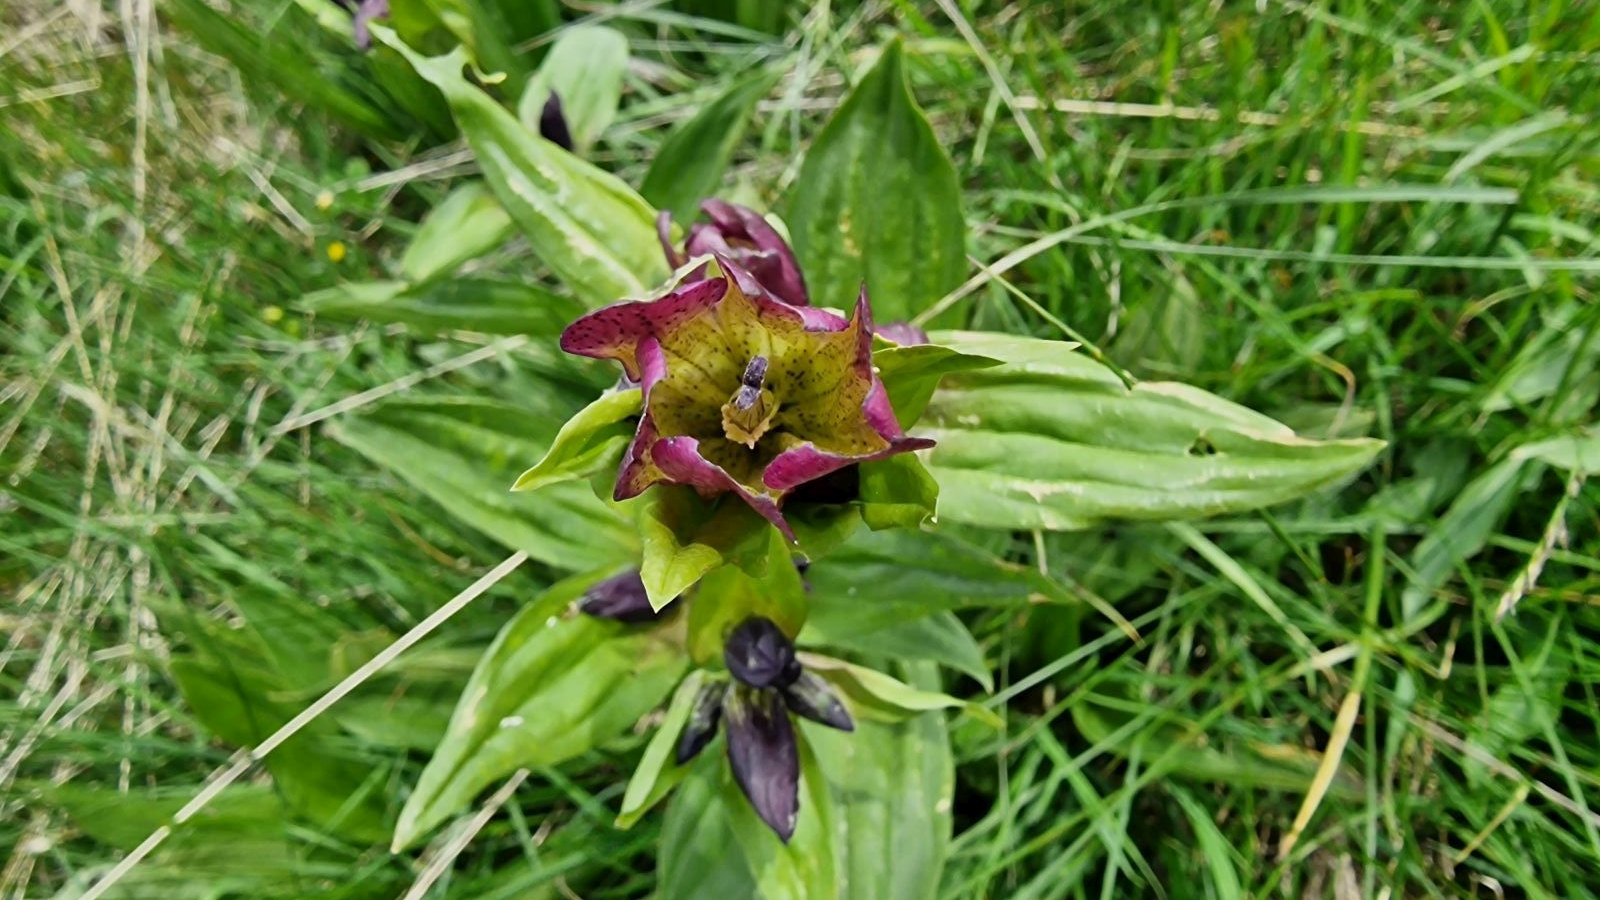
[{"x": 1253, "y": 226}]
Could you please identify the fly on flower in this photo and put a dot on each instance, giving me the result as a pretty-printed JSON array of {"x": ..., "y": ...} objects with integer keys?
[{"x": 743, "y": 393}]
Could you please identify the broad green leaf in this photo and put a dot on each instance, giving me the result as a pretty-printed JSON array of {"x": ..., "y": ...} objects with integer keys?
[
  {"x": 897, "y": 492},
  {"x": 658, "y": 772},
  {"x": 875, "y": 695},
  {"x": 804, "y": 868},
  {"x": 910, "y": 375},
  {"x": 553, "y": 685},
  {"x": 939, "y": 638},
  {"x": 1578, "y": 453},
  {"x": 590, "y": 228},
  {"x": 466, "y": 224},
  {"x": 584, "y": 67},
  {"x": 588, "y": 440},
  {"x": 688, "y": 165},
  {"x": 240, "y": 699},
  {"x": 878, "y": 201},
  {"x": 240, "y": 844},
  {"x": 699, "y": 859},
  {"x": 484, "y": 305},
  {"x": 883, "y": 579},
  {"x": 464, "y": 453},
  {"x": 684, "y": 537},
  {"x": 892, "y": 788},
  {"x": 768, "y": 586},
  {"x": 1045, "y": 444}
]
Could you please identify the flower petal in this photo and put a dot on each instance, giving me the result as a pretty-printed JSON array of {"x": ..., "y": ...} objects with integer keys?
[
  {"x": 764, "y": 756},
  {"x": 701, "y": 725},
  {"x": 811, "y": 696},
  {"x": 614, "y": 332},
  {"x": 680, "y": 462}
]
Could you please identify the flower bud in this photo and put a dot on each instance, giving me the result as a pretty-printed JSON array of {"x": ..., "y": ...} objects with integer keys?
[
  {"x": 741, "y": 235},
  {"x": 760, "y": 655},
  {"x": 621, "y": 598}
]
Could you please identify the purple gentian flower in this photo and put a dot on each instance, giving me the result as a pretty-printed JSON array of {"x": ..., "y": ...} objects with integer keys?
[{"x": 742, "y": 235}]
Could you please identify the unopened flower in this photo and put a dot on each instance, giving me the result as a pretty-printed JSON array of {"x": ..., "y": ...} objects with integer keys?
[
  {"x": 621, "y": 598},
  {"x": 742, "y": 235},
  {"x": 768, "y": 685},
  {"x": 743, "y": 393}
]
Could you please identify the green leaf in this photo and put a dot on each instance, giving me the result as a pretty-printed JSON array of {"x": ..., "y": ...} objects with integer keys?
[
  {"x": 882, "y": 697},
  {"x": 1046, "y": 443},
  {"x": 910, "y": 375},
  {"x": 689, "y": 164},
  {"x": 878, "y": 200},
  {"x": 658, "y": 772},
  {"x": 1578, "y": 453},
  {"x": 466, "y": 224},
  {"x": 455, "y": 304},
  {"x": 587, "y": 442},
  {"x": 683, "y": 538},
  {"x": 892, "y": 788},
  {"x": 238, "y": 697},
  {"x": 939, "y": 638},
  {"x": 697, "y": 859},
  {"x": 897, "y": 492},
  {"x": 238, "y": 845},
  {"x": 882, "y": 579},
  {"x": 1221, "y": 862},
  {"x": 590, "y": 228},
  {"x": 548, "y": 689},
  {"x": 463, "y": 452},
  {"x": 483, "y": 35},
  {"x": 1461, "y": 532},
  {"x": 585, "y": 68},
  {"x": 768, "y": 586},
  {"x": 804, "y": 868}
]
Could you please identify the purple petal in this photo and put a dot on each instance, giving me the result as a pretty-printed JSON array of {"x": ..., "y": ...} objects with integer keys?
[
  {"x": 553, "y": 123},
  {"x": 812, "y": 697},
  {"x": 813, "y": 318},
  {"x": 620, "y": 598},
  {"x": 758, "y": 654},
  {"x": 614, "y": 332},
  {"x": 798, "y": 465},
  {"x": 903, "y": 333},
  {"x": 764, "y": 757},
  {"x": 664, "y": 233},
  {"x": 680, "y": 462},
  {"x": 701, "y": 726}
]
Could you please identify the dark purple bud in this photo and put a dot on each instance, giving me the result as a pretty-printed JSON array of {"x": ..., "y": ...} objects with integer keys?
[
  {"x": 366, "y": 13},
  {"x": 903, "y": 333},
  {"x": 760, "y": 655},
  {"x": 621, "y": 597},
  {"x": 702, "y": 724},
  {"x": 742, "y": 236},
  {"x": 553, "y": 123},
  {"x": 764, "y": 757},
  {"x": 812, "y": 697}
]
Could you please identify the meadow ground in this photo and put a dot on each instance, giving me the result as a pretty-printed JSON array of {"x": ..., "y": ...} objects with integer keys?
[{"x": 1360, "y": 218}]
